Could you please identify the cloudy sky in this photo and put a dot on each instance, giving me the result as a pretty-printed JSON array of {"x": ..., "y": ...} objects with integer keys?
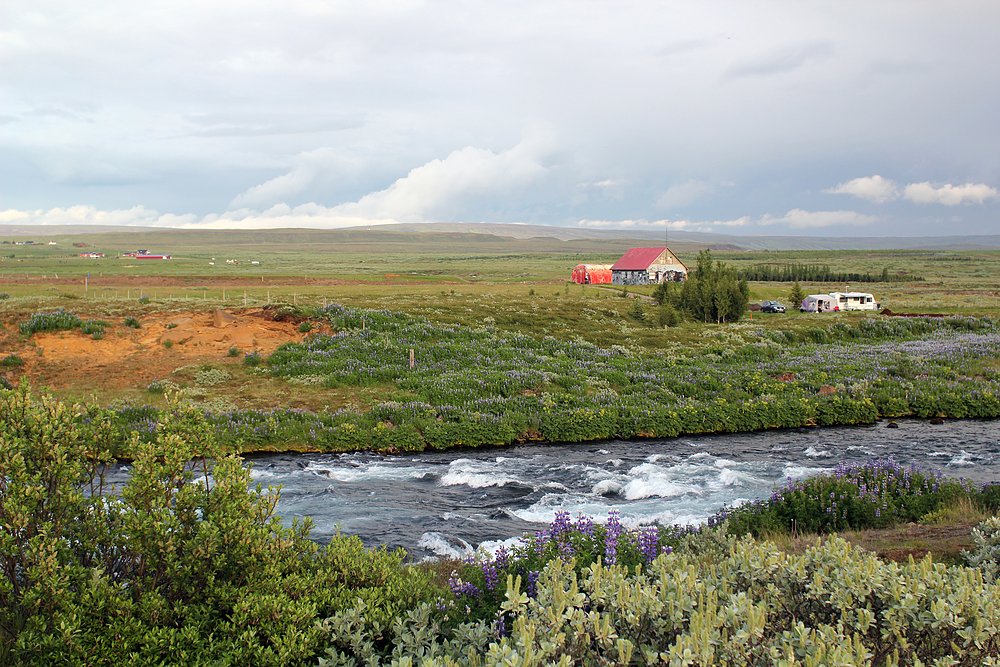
[{"x": 871, "y": 118}]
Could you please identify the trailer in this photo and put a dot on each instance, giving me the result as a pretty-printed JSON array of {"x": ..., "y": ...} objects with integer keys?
[
  {"x": 591, "y": 274},
  {"x": 855, "y": 300}
]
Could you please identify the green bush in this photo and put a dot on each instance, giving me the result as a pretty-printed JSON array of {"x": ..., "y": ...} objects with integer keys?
[
  {"x": 186, "y": 565},
  {"x": 12, "y": 361},
  {"x": 132, "y": 322},
  {"x": 305, "y": 327},
  {"x": 876, "y": 494}
]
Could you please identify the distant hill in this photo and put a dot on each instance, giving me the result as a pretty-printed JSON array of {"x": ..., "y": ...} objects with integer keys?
[
  {"x": 717, "y": 241},
  {"x": 494, "y": 237}
]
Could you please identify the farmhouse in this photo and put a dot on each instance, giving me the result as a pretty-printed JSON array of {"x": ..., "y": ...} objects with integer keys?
[{"x": 647, "y": 266}]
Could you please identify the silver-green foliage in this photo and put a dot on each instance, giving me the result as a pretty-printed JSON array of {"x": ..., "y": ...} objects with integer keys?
[
  {"x": 986, "y": 554},
  {"x": 756, "y": 605},
  {"x": 209, "y": 377}
]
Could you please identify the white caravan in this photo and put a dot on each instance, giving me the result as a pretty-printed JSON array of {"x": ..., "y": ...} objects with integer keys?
[{"x": 854, "y": 301}]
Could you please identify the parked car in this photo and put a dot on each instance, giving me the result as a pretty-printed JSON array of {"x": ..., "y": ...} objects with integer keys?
[{"x": 771, "y": 307}]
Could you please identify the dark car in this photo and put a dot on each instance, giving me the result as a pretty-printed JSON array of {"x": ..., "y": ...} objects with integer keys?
[{"x": 771, "y": 307}]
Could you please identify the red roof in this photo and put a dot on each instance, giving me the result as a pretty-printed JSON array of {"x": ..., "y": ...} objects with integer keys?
[{"x": 637, "y": 259}]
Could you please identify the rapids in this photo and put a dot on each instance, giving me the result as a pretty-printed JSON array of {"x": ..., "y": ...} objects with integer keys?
[{"x": 437, "y": 504}]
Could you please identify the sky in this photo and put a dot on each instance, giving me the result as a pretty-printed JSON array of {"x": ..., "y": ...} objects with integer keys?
[{"x": 840, "y": 118}]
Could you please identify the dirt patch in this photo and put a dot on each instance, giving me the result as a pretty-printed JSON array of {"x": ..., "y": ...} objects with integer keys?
[{"x": 165, "y": 341}]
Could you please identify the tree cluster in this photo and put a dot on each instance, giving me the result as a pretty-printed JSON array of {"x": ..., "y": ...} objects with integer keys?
[
  {"x": 713, "y": 293},
  {"x": 787, "y": 273}
]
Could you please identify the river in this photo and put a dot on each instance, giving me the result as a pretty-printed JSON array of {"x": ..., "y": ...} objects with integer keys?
[{"x": 449, "y": 503}]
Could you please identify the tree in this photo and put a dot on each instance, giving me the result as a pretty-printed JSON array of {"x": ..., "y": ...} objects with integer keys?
[
  {"x": 714, "y": 292},
  {"x": 796, "y": 295}
]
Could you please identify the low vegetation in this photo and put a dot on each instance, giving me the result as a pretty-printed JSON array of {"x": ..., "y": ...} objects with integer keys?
[{"x": 187, "y": 564}]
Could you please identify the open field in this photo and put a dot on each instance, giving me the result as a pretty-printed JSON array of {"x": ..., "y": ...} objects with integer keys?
[{"x": 450, "y": 278}]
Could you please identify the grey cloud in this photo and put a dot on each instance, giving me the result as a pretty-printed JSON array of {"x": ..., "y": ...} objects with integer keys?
[
  {"x": 247, "y": 125},
  {"x": 784, "y": 60},
  {"x": 682, "y": 46}
]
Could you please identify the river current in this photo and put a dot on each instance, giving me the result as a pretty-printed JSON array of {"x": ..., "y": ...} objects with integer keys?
[
  {"x": 449, "y": 503},
  {"x": 437, "y": 504}
]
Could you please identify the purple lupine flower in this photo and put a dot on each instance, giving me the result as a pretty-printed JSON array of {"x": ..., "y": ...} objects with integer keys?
[
  {"x": 649, "y": 538},
  {"x": 613, "y": 530}
]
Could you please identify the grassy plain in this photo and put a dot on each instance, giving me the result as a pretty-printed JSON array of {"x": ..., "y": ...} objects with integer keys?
[
  {"x": 470, "y": 280},
  {"x": 517, "y": 285}
]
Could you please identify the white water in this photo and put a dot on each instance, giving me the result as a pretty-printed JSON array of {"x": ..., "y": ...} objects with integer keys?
[{"x": 449, "y": 503}]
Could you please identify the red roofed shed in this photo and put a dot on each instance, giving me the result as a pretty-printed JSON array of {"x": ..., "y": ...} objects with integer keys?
[{"x": 645, "y": 266}]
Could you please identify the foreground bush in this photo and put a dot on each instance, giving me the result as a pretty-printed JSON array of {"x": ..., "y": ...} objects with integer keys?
[
  {"x": 754, "y": 606},
  {"x": 187, "y": 564}
]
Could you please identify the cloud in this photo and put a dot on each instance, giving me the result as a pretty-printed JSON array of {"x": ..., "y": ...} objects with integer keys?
[
  {"x": 797, "y": 218},
  {"x": 784, "y": 60},
  {"x": 445, "y": 188},
  {"x": 950, "y": 195},
  {"x": 873, "y": 188},
  {"x": 89, "y": 215},
  {"x": 276, "y": 217},
  {"x": 880, "y": 190},
  {"x": 682, "y": 194},
  {"x": 276, "y": 189}
]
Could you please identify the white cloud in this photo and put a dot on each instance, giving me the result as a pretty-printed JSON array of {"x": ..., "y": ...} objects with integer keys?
[
  {"x": 797, "y": 218},
  {"x": 873, "y": 188},
  {"x": 276, "y": 189},
  {"x": 445, "y": 188},
  {"x": 950, "y": 195},
  {"x": 880, "y": 190},
  {"x": 276, "y": 217},
  {"x": 683, "y": 194}
]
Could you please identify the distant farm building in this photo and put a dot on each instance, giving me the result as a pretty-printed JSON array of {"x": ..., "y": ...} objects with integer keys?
[
  {"x": 648, "y": 266},
  {"x": 591, "y": 274},
  {"x": 144, "y": 254}
]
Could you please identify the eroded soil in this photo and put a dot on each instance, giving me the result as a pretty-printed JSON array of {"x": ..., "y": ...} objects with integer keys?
[{"x": 126, "y": 357}]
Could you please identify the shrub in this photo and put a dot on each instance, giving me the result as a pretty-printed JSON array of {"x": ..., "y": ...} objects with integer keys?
[
  {"x": 876, "y": 494},
  {"x": 985, "y": 554},
  {"x": 162, "y": 386},
  {"x": 168, "y": 344},
  {"x": 12, "y": 361},
  {"x": 305, "y": 327},
  {"x": 60, "y": 320},
  {"x": 253, "y": 359},
  {"x": 233, "y": 351},
  {"x": 4, "y": 295},
  {"x": 132, "y": 322},
  {"x": 209, "y": 377},
  {"x": 143, "y": 299},
  {"x": 637, "y": 311},
  {"x": 186, "y": 565}
]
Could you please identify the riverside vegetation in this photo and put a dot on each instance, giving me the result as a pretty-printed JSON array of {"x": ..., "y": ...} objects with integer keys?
[
  {"x": 477, "y": 386},
  {"x": 187, "y": 565}
]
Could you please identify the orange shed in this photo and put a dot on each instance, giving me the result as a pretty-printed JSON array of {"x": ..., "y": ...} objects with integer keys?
[{"x": 591, "y": 274}]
